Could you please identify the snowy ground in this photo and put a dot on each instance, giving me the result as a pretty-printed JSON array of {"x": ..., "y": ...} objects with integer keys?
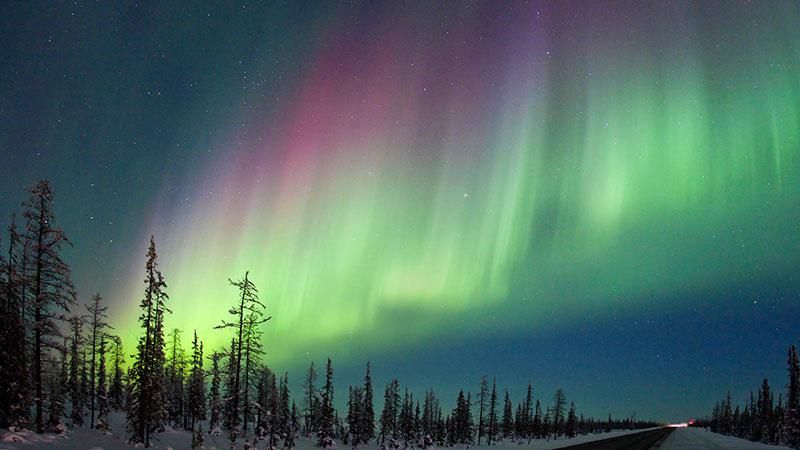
[
  {"x": 86, "y": 439},
  {"x": 699, "y": 439}
]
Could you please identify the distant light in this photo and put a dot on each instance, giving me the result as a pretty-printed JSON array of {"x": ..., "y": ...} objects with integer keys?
[{"x": 678, "y": 425}]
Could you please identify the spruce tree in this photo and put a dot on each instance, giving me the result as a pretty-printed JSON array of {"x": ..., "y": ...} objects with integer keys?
[
  {"x": 55, "y": 407},
  {"x": 764, "y": 416},
  {"x": 406, "y": 419},
  {"x": 146, "y": 409},
  {"x": 230, "y": 419},
  {"x": 51, "y": 284},
  {"x": 197, "y": 396},
  {"x": 215, "y": 401},
  {"x": 483, "y": 397},
  {"x": 327, "y": 421},
  {"x": 175, "y": 375},
  {"x": 116, "y": 391},
  {"x": 526, "y": 418},
  {"x": 537, "y": 426},
  {"x": 13, "y": 377},
  {"x": 97, "y": 325},
  {"x": 354, "y": 418},
  {"x": 284, "y": 408},
  {"x": 492, "y": 426},
  {"x": 388, "y": 420},
  {"x": 102, "y": 394},
  {"x": 310, "y": 401},
  {"x": 508, "y": 419},
  {"x": 791, "y": 423},
  {"x": 559, "y": 404},
  {"x": 289, "y": 443},
  {"x": 74, "y": 381},
  {"x": 571, "y": 426},
  {"x": 273, "y": 416},
  {"x": 367, "y": 425}
]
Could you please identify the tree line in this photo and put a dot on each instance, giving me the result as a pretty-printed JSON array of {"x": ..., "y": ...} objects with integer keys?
[
  {"x": 69, "y": 370},
  {"x": 763, "y": 418}
]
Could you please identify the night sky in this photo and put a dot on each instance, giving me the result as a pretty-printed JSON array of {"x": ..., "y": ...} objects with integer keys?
[{"x": 601, "y": 196}]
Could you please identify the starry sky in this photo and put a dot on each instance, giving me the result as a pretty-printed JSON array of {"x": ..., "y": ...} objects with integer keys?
[{"x": 600, "y": 196}]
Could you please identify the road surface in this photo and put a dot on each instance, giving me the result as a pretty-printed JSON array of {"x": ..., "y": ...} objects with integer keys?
[
  {"x": 674, "y": 439},
  {"x": 637, "y": 441}
]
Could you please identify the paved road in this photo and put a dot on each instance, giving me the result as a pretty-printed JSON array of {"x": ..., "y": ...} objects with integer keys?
[{"x": 637, "y": 441}]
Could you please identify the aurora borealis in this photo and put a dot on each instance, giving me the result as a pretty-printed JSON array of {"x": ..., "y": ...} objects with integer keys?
[{"x": 598, "y": 195}]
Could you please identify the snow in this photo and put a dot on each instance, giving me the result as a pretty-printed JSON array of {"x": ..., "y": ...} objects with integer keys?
[
  {"x": 84, "y": 438},
  {"x": 700, "y": 439}
]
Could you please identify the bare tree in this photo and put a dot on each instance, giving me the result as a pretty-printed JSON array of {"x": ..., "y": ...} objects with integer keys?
[{"x": 53, "y": 292}]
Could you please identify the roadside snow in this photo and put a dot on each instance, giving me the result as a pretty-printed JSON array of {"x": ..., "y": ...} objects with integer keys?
[
  {"x": 699, "y": 439},
  {"x": 86, "y": 439}
]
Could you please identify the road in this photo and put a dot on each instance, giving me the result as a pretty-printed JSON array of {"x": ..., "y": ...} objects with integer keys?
[{"x": 637, "y": 441}]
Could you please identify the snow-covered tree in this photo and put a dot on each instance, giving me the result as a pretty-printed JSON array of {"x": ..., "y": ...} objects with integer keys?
[
  {"x": 248, "y": 314},
  {"x": 97, "y": 325},
  {"x": 215, "y": 401},
  {"x": 51, "y": 283},
  {"x": 791, "y": 423},
  {"x": 559, "y": 404},
  {"x": 230, "y": 420},
  {"x": 388, "y": 420},
  {"x": 483, "y": 398},
  {"x": 310, "y": 401},
  {"x": 367, "y": 424},
  {"x": 13, "y": 377},
  {"x": 327, "y": 421},
  {"x": 197, "y": 391},
  {"x": 355, "y": 405},
  {"x": 74, "y": 381},
  {"x": 175, "y": 375},
  {"x": 508, "y": 417},
  {"x": 102, "y": 392},
  {"x": 492, "y": 419},
  {"x": 146, "y": 409},
  {"x": 116, "y": 391},
  {"x": 55, "y": 407}
]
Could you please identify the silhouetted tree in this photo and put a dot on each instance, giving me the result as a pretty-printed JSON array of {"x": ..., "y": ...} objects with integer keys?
[
  {"x": 492, "y": 429},
  {"x": 147, "y": 400},
  {"x": 74, "y": 382},
  {"x": 310, "y": 401},
  {"x": 483, "y": 397},
  {"x": 327, "y": 421},
  {"x": 53, "y": 292},
  {"x": 102, "y": 393},
  {"x": 197, "y": 394},
  {"x": 13, "y": 377},
  {"x": 97, "y": 325},
  {"x": 175, "y": 374},
  {"x": 508, "y": 417},
  {"x": 388, "y": 420},
  {"x": 367, "y": 423},
  {"x": 791, "y": 423},
  {"x": 248, "y": 314},
  {"x": 571, "y": 427},
  {"x": 559, "y": 404},
  {"x": 116, "y": 391},
  {"x": 215, "y": 401}
]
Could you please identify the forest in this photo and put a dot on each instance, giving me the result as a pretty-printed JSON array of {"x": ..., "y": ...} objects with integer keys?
[
  {"x": 70, "y": 370},
  {"x": 64, "y": 368}
]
